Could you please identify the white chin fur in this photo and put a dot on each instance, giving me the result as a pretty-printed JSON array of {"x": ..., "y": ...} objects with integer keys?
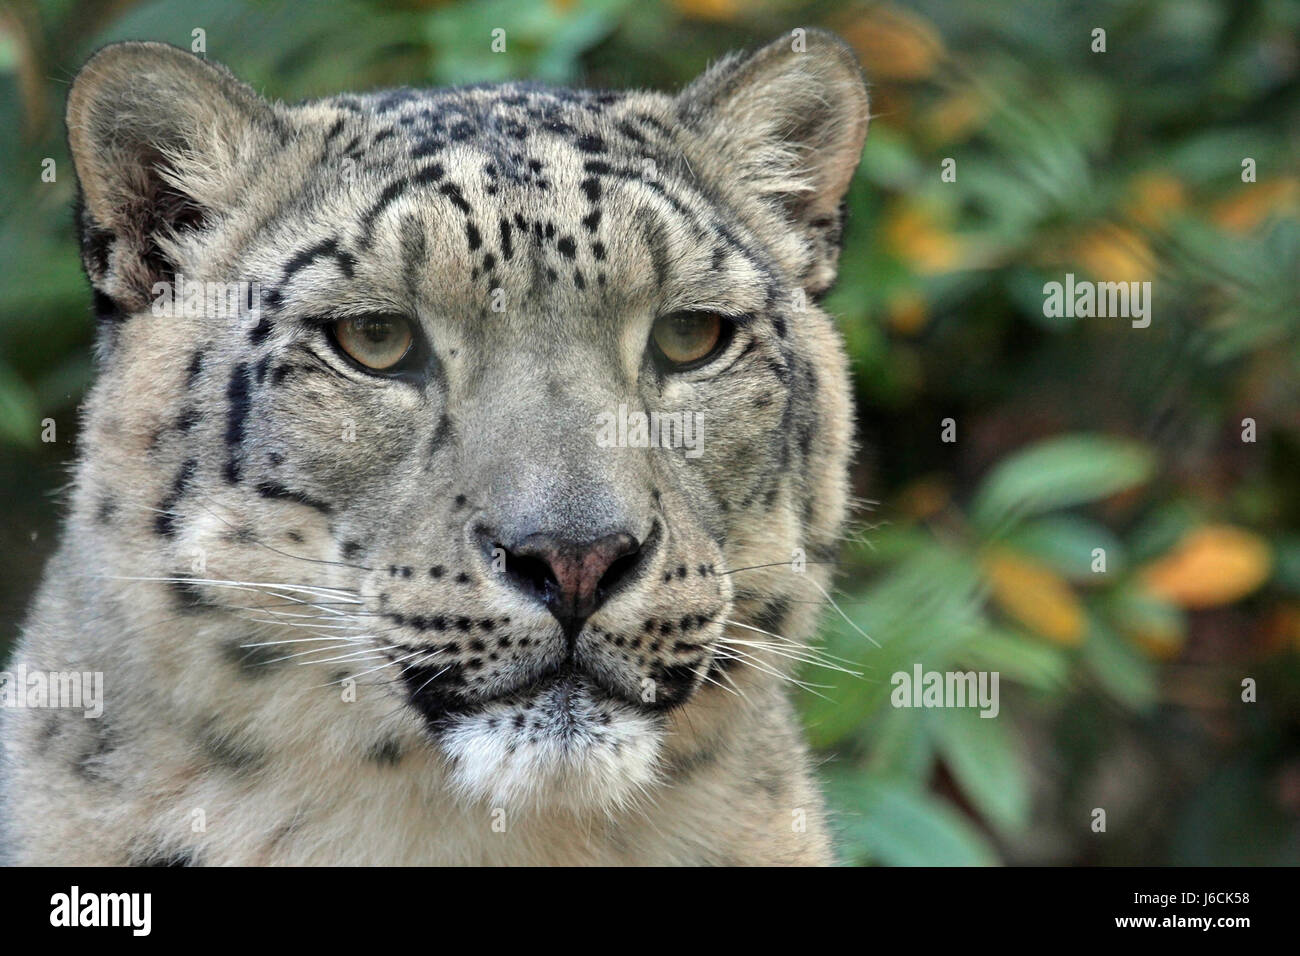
[{"x": 573, "y": 752}]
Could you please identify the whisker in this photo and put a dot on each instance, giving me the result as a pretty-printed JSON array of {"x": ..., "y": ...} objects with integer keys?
[
  {"x": 794, "y": 645},
  {"x": 786, "y": 653},
  {"x": 841, "y": 613},
  {"x": 263, "y": 544},
  {"x": 710, "y": 680},
  {"x": 746, "y": 658},
  {"x": 774, "y": 564}
]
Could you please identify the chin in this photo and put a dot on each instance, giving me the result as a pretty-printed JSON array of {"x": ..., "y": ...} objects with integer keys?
[{"x": 561, "y": 746}]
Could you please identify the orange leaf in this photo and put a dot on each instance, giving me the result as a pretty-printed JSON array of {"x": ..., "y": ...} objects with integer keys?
[
  {"x": 1214, "y": 565},
  {"x": 1252, "y": 203},
  {"x": 709, "y": 9},
  {"x": 908, "y": 313},
  {"x": 924, "y": 498},
  {"x": 1154, "y": 197}
]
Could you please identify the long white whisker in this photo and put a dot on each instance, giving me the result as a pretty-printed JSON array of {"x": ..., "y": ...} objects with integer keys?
[{"x": 840, "y": 611}]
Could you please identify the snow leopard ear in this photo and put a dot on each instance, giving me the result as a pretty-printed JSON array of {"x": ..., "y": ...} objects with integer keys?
[
  {"x": 155, "y": 135},
  {"x": 790, "y": 121}
]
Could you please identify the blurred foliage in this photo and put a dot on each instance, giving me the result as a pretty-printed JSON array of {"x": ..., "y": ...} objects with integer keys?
[{"x": 1122, "y": 682}]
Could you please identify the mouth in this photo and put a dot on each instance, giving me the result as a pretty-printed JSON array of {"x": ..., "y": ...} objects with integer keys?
[
  {"x": 564, "y": 693},
  {"x": 557, "y": 738},
  {"x": 562, "y": 688},
  {"x": 558, "y": 742}
]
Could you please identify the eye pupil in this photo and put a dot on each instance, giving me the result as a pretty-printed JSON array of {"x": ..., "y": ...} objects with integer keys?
[{"x": 376, "y": 330}]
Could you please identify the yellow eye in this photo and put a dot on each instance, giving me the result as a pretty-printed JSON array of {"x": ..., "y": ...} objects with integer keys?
[
  {"x": 687, "y": 338},
  {"x": 378, "y": 342}
]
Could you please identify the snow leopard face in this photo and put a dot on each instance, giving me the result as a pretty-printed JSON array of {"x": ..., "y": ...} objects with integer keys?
[{"x": 519, "y": 412}]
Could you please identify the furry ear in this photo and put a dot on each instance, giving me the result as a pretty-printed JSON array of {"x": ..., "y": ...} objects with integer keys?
[
  {"x": 156, "y": 135},
  {"x": 789, "y": 121}
]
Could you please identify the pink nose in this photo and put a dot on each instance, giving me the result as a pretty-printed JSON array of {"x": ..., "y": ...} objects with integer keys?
[{"x": 572, "y": 578}]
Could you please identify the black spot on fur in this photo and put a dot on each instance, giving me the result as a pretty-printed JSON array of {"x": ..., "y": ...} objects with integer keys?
[
  {"x": 441, "y": 434},
  {"x": 239, "y": 402},
  {"x": 390, "y": 194},
  {"x": 772, "y": 617},
  {"x": 260, "y": 331},
  {"x": 229, "y": 750},
  {"x": 452, "y": 192},
  {"x": 189, "y": 417},
  {"x": 304, "y": 258},
  {"x": 165, "y": 521},
  {"x": 428, "y": 175},
  {"x": 88, "y": 761},
  {"x": 188, "y": 596},
  {"x": 194, "y": 369},
  {"x": 386, "y": 753},
  {"x": 271, "y": 489},
  {"x": 507, "y": 247}
]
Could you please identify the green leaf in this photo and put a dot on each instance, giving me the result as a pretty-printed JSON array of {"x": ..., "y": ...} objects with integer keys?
[
  {"x": 1058, "y": 473},
  {"x": 896, "y": 823},
  {"x": 984, "y": 764},
  {"x": 19, "y": 418},
  {"x": 917, "y": 613},
  {"x": 901, "y": 745},
  {"x": 1065, "y": 544},
  {"x": 1025, "y": 660},
  {"x": 1136, "y": 610},
  {"x": 1119, "y": 668},
  {"x": 1287, "y": 563}
]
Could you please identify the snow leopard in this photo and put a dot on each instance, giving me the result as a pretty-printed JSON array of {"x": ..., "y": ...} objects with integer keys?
[{"x": 462, "y": 474}]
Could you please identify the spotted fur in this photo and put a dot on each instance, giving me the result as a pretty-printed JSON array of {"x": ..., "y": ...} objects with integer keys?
[{"x": 241, "y": 484}]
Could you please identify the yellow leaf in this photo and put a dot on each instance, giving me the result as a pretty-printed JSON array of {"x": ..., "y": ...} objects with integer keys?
[
  {"x": 955, "y": 116},
  {"x": 1111, "y": 254},
  {"x": 894, "y": 44},
  {"x": 1214, "y": 565},
  {"x": 1036, "y": 597},
  {"x": 917, "y": 238}
]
